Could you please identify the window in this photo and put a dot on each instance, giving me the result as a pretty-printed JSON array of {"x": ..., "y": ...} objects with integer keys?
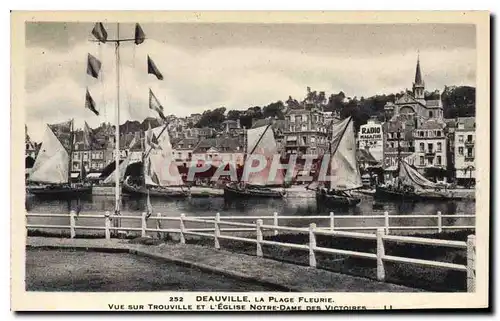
[
  {"x": 431, "y": 160},
  {"x": 304, "y": 140},
  {"x": 460, "y": 138},
  {"x": 422, "y": 148},
  {"x": 461, "y": 151},
  {"x": 410, "y": 143},
  {"x": 290, "y": 119},
  {"x": 313, "y": 139},
  {"x": 430, "y": 147},
  {"x": 392, "y": 144},
  {"x": 421, "y": 160},
  {"x": 438, "y": 160},
  {"x": 469, "y": 152},
  {"x": 304, "y": 117},
  {"x": 439, "y": 147},
  {"x": 421, "y": 133},
  {"x": 431, "y": 114},
  {"x": 189, "y": 154},
  {"x": 469, "y": 138},
  {"x": 438, "y": 133}
]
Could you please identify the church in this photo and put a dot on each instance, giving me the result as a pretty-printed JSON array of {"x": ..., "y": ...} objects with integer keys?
[
  {"x": 415, "y": 129},
  {"x": 414, "y": 104}
]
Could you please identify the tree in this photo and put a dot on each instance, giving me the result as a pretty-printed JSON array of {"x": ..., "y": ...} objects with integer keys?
[
  {"x": 211, "y": 118},
  {"x": 234, "y": 114},
  {"x": 274, "y": 110}
]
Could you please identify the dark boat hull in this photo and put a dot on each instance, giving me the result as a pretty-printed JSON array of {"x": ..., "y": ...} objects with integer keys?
[
  {"x": 336, "y": 201},
  {"x": 156, "y": 193},
  {"x": 397, "y": 195},
  {"x": 61, "y": 192},
  {"x": 231, "y": 192}
]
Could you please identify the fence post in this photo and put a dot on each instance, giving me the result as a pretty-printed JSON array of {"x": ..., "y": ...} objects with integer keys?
[
  {"x": 380, "y": 255},
  {"x": 259, "y": 237},
  {"x": 440, "y": 222},
  {"x": 158, "y": 226},
  {"x": 107, "y": 225},
  {"x": 217, "y": 231},
  {"x": 72, "y": 224},
  {"x": 312, "y": 244},
  {"x": 143, "y": 224},
  {"x": 471, "y": 263},
  {"x": 386, "y": 222},
  {"x": 332, "y": 222},
  {"x": 182, "y": 229},
  {"x": 275, "y": 222}
]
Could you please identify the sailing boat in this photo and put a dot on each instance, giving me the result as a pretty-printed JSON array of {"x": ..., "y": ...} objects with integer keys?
[
  {"x": 342, "y": 169},
  {"x": 259, "y": 141},
  {"x": 411, "y": 185},
  {"x": 52, "y": 167},
  {"x": 160, "y": 172}
]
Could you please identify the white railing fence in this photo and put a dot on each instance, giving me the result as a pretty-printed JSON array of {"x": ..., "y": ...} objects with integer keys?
[{"x": 258, "y": 227}]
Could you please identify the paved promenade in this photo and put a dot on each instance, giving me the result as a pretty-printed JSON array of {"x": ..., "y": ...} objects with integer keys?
[{"x": 287, "y": 276}]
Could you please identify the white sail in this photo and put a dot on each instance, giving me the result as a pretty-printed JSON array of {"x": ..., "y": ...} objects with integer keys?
[
  {"x": 52, "y": 163},
  {"x": 261, "y": 141},
  {"x": 410, "y": 176},
  {"x": 160, "y": 167},
  {"x": 344, "y": 171}
]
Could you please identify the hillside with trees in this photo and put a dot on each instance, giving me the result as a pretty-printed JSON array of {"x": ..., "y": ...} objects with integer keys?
[{"x": 458, "y": 101}]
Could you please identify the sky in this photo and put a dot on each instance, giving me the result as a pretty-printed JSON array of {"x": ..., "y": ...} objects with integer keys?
[{"x": 210, "y": 65}]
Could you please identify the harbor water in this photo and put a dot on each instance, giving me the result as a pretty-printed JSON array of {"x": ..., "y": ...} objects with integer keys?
[{"x": 251, "y": 207}]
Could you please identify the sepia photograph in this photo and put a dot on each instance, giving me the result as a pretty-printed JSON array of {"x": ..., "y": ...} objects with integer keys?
[{"x": 250, "y": 161}]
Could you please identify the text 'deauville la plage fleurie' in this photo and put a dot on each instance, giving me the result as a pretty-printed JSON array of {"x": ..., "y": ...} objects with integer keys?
[{"x": 240, "y": 303}]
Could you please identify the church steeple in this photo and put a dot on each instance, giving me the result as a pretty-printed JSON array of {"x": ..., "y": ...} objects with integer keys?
[
  {"x": 418, "y": 73},
  {"x": 418, "y": 85}
]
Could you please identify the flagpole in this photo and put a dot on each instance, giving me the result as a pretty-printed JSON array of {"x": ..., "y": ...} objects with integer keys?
[{"x": 117, "y": 131}]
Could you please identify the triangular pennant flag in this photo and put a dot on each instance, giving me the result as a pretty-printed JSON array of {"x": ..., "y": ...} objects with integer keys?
[
  {"x": 93, "y": 66},
  {"x": 99, "y": 32},
  {"x": 155, "y": 104},
  {"x": 152, "y": 69},
  {"x": 90, "y": 103},
  {"x": 139, "y": 34},
  {"x": 89, "y": 136}
]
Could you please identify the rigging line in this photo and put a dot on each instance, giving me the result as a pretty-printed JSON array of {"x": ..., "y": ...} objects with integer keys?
[{"x": 260, "y": 139}]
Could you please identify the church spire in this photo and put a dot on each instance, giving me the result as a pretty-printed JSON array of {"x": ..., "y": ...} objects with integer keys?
[
  {"x": 418, "y": 85},
  {"x": 418, "y": 73}
]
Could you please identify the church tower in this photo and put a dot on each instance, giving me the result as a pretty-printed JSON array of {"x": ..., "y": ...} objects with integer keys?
[{"x": 418, "y": 85}]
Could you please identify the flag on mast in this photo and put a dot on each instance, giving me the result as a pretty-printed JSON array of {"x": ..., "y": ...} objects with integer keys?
[
  {"x": 139, "y": 34},
  {"x": 99, "y": 32},
  {"x": 155, "y": 104},
  {"x": 90, "y": 103},
  {"x": 88, "y": 136},
  {"x": 93, "y": 66},
  {"x": 152, "y": 69}
]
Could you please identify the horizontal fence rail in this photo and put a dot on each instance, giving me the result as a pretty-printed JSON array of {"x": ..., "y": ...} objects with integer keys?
[{"x": 257, "y": 228}]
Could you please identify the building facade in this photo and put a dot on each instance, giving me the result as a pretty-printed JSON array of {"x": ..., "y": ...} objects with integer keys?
[
  {"x": 465, "y": 151},
  {"x": 430, "y": 145},
  {"x": 305, "y": 132}
]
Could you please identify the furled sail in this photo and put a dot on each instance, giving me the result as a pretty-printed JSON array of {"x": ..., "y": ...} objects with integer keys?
[
  {"x": 52, "y": 163},
  {"x": 344, "y": 171},
  {"x": 159, "y": 166},
  {"x": 261, "y": 141},
  {"x": 410, "y": 176}
]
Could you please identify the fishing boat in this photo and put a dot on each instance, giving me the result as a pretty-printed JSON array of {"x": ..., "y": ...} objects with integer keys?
[
  {"x": 259, "y": 141},
  {"x": 413, "y": 186},
  {"x": 161, "y": 177},
  {"x": 342, "y": 171},
  {"x": 51, "y": 174}
]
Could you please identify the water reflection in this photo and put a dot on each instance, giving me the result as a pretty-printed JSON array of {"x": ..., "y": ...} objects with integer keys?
[{"x": 209, "y": 206}]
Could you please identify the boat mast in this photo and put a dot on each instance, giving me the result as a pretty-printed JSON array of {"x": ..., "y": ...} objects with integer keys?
[
  {"x": 399, "y": 152},
  {"x": 71, "y": 143},
  {"x": 117, "y": 122}
]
